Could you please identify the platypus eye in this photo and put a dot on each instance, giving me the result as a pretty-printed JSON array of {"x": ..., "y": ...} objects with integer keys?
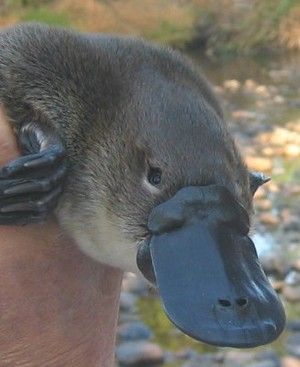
[{"x": 154, "y": 176}]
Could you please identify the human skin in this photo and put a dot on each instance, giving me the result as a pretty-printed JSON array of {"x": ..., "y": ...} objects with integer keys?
[{"x": 57, "y": 306}]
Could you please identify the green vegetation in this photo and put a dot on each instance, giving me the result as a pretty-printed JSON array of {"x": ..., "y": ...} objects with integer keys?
[
  {"x": 256, "y": 27},
  {"x": 47, "y": 16},
  {"x": 171, "y": 33},
  {"x": 165, "y": 333},
  {"x": 223, "y": 26}
]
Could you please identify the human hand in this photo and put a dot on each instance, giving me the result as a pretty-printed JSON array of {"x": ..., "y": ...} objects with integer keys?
[{"x": 57, "y": 306}]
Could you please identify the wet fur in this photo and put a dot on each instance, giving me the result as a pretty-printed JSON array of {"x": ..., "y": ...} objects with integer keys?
[{"x": 119, "y": 105}]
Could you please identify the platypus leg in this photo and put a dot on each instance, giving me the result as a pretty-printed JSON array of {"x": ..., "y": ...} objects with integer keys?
[{"x": 31, "y": 185}]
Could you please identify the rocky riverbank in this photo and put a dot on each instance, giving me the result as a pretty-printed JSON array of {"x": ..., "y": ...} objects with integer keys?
[{"x": 264, "y": 117}]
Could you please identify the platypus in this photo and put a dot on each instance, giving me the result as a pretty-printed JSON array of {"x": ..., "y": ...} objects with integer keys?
[{"x": 126, "y": 143}]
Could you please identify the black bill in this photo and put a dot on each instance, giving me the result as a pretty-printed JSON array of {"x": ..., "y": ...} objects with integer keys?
[{"x": 207, "y": 271}]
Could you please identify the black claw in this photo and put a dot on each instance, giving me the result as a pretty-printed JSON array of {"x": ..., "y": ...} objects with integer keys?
[
  {"x": 14, "y": 187},
  {"x": 31, "y": 185},
  {"x": 39, "y": 205},
  {"x": 21, "y": 219}
]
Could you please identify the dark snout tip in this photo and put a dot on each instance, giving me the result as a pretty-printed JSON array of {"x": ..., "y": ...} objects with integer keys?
[{"x": 264, "y": 332}]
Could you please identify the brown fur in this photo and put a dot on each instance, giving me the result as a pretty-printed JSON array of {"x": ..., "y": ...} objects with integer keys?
[{"x": 119, "y": 105}]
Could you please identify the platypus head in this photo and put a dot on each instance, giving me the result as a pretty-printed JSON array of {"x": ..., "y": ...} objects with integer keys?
[{"x": 176, "y": 202}]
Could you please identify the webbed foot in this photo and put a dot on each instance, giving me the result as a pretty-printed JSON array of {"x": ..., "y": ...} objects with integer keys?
[{"x": 30, "y": 186}]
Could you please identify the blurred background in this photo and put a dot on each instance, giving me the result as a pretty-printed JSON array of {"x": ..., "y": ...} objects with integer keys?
[{"x": 249, "y": 50}]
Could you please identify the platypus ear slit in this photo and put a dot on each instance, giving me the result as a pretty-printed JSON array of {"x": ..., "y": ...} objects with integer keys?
[{"x": 256, "y": 180}]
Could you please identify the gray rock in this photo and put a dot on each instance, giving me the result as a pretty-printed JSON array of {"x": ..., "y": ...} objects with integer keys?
[
  {"x": 135, "y": 284},
  {"x": 127, "y": 301},
  {"x": 140, "y": 353},
  {"x": 291, "y": 293},
  {"x": 265, "y": 363},
  {"x": 293, "y": 345},
  {"x": 134, "y": 331},
  {"x": 293, "y": 278},
  {"x": 239, "y": 358},
  {"x": 293, "y": 325},
  {"x": 288, "y": 361}
]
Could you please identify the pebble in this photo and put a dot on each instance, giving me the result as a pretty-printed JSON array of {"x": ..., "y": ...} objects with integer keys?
[
  {"x": 232, "y": 85},
  {"x": 272, "y": 187},
  {"x": 276, "y": 284},
  {"x": 279, "y": 99},
  {"x": 134, "y": 331},
  {"x": 292, "y": 150},
  {"x": 290, "y": 362},
  {"x": 127, "y": 301},
  {"x": 249, "y": 85},
  {"x": 269, "y": 219},
  {"x": 244, "y": 115},
  {"x": 259, "y": 163},
  {"x": 262, "y": 91},
  {"x": 292, "y": 294},
  {"x": 268, "y": 151},
  {"x": 274, "y": 264},
  {"x": 293, "y": 344},
  {"x": 292, "y": 278},
  {"x": 296, "y": 264},
  {"x": 263, "y": 204},
  {"x": 265, "y": 363},
  {"x": 240, "y": 357},
  {"x": 139, "y": 353},
  {"x": 135, "y": 284},
  {"x": 293, "y": 325},
  {"x": 210, "y": 360}
]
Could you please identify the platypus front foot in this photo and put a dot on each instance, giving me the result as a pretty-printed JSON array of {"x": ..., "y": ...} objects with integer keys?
[{"x": 31, "y": 185}]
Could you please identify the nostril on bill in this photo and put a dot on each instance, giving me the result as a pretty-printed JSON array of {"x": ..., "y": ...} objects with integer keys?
[
  {"x": 224, "y": 302},
  {"x": 242, "y": 302}
]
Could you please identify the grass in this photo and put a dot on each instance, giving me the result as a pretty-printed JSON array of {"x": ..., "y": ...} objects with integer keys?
[
  {"x": 47, "y": 16},
  {"x": 249, "y": 27}
]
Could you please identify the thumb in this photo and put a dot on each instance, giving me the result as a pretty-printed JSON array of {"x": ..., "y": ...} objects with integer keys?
[{"x": 8, "y": 144}]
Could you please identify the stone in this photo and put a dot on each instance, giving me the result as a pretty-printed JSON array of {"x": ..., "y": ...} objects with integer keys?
[
  {"x": 249, "y": 85},
  {"x": 295, "y": 189},
  {"x": 290, "y": 362},
  {"x": 139, "y": 353},
  {"x": 187, "y": 354},
  {"x": 244, "y": 115},
  {"x": 272, "y": 187},
  {"x": 293, "y": 345},
  {"x": 134, "y": 331},
  {"x": 239, "y": 357},
  {"x": 218, "y": 89},
  {"x": 273, "y": 263},
  {"x": 278, "y": 99},
  {"x": 127, "y": 301},
  {"x": 292, "y": 150},
  {"x": 135, "y": 284},
  {"x": 263, "y": 204},
  {"x": 296, "y": 265},
  {"x": 276, "y": 284},
  {"x": 293, "y": 325},
  {"x": 262, "y": 91},
  {"x": 292, "y": 278},
  {"x": 232, "y": 85},
  {"x": 262, "y": 164},
  {"x": 292, "y": 294},
  {"x": 264, "y": 363},
  {"x": 209, "y": 360},
  {"x": 269, "y": 219},
  {"x": 268, "y": 151}
]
